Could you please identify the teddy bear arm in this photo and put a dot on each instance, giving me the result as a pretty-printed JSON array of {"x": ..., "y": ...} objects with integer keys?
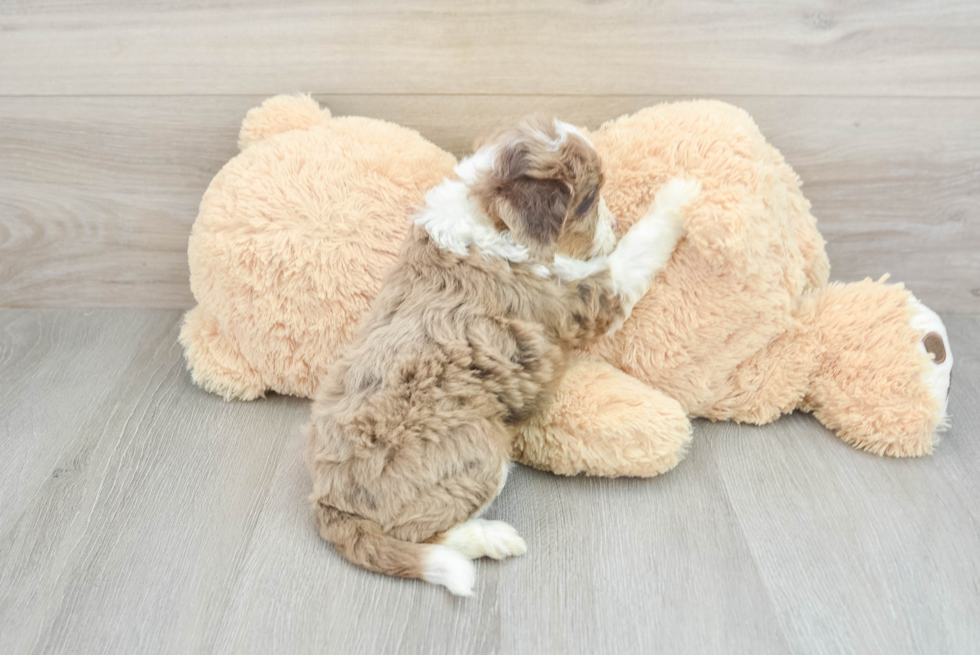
[{"x": 604, "y": 422}]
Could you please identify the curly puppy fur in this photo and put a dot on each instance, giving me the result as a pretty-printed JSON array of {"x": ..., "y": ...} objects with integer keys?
[{"x": 510, "y": 265}]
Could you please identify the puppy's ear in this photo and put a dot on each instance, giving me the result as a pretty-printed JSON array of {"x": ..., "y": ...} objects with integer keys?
[
  {"x": 526, "y": 194},
  {"x": 538, "y": 209}
]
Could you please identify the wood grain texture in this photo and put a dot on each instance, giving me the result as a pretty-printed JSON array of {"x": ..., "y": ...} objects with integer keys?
[
  {"x": 146, "y": 502},
  {"x": 97, "y": 195},
  {"x": 120, "y": 47},
  {"x": 147, "y": 516},
  {"x": 140, "y": 514}
]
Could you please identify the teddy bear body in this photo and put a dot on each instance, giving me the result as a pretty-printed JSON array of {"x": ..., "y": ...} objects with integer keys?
[
  {"x": 743, "y": 325},
  {"x": 293, "y": 240},
  {"x": 296, "y": 233}
]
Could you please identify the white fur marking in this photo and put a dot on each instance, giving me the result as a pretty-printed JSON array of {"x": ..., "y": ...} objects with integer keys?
[
  {"x": 605, "y": 233},
  {"x": 455, "y": 222},
  {"x": 454, "y": 571},
  {"x": 504, "y": 471},
  {"x": 604, "y": 242},
  {"x": 481, "y": 538},
  {"x": 564, "y": 129},
  {"x": 479, "y": 162},
  {"x": 645, "y": 250},
  {"x": 936, "y": 376},
  {"x": 541, "y": 270},
  {"x": 569, "y": 268}
]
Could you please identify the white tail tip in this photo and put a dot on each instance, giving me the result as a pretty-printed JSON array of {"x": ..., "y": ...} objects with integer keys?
[{"x": 452, "y": 570}]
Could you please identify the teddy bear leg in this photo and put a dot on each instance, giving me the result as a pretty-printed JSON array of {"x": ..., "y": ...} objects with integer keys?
[
  {"x": 280, "y": 114},
  {"x": 604, "y": 422},
  {"x": 215, "y": 364},
  {"x": 884, "y": 371}
]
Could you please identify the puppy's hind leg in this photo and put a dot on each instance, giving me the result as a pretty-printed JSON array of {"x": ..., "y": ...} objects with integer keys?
[{"x": 481, "y": 538}]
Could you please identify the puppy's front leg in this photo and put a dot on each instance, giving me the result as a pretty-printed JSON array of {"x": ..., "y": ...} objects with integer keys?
[
  {"x": 605, "y": 289},
  {"x": 645, "y": 250}
]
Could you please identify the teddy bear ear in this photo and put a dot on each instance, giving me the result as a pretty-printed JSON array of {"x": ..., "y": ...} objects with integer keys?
[{"x": 280, "y": 114}]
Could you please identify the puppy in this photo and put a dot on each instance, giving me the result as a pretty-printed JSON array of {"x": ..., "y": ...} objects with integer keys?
[{"x": 511, "y": 264}]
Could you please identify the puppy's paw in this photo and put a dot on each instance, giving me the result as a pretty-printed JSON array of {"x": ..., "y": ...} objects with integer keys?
[
  {"x": 501, "y": 540},
  {"x": 645, "y": 250},
  {"x": 482, "y": 538},
  {"x": 444, "y": 566},
  {"x": 676, "y": 194},
  {"x": 663, "y": 225}
]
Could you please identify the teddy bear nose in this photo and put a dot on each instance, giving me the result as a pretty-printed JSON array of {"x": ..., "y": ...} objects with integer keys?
[{"x": 934, "y": 344}]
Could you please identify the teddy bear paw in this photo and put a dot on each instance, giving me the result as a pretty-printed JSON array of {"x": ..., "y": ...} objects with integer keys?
[{"x": 934, "y": 345}]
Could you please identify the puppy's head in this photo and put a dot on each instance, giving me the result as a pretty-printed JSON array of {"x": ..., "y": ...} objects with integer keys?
[{"x": 541, "y": 180}]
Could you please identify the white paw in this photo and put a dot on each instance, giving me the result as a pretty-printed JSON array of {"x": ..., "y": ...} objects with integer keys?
[
  {"x": 501, "y": 540},
  {"x": 676, "y": 194},
  {"x": 935, "y": 346},
  {"x": 482, "y": 538},
  {"x": 663, "y": 224},
  {"x": 446, "y": 567},
  {"x": 645, "y": 250}
]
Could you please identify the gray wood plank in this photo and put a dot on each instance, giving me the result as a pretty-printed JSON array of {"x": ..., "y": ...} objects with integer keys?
[
  {"x": 614, "y": 566},
  {"x": 104, "y": 192},
  {"x": 179, "y": 523},
  {"x": 97, "y": 195},
  {"x": 141, "y": 515},
  {"x": 59, "y": 368},
  {"x": 860, "y": 553},
  {"x": 913, "y": 47},
  {"x": 131, "y": 546}
]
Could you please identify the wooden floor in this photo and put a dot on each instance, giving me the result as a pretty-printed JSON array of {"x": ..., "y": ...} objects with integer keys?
[
  {"x": 142, "y": 515},
  {"x": 139, "y": 514},
  {"x": 115, "y": 114}
]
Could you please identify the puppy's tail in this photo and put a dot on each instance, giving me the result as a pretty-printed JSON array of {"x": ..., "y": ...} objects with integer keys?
[{"x": 363, "y": 542}]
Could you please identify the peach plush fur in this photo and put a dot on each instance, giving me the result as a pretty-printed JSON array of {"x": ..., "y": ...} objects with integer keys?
[{"x": 295, "y": 234}]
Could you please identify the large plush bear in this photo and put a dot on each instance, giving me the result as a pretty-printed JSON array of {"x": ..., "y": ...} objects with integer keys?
[{"x": 296, "y": 233}]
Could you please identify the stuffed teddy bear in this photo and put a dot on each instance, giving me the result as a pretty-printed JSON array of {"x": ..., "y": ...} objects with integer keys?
[{"x": 295, "y": 234}]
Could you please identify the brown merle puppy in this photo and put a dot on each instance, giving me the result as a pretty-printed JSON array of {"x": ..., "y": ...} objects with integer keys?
[{"x": 511, "y": 264}]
